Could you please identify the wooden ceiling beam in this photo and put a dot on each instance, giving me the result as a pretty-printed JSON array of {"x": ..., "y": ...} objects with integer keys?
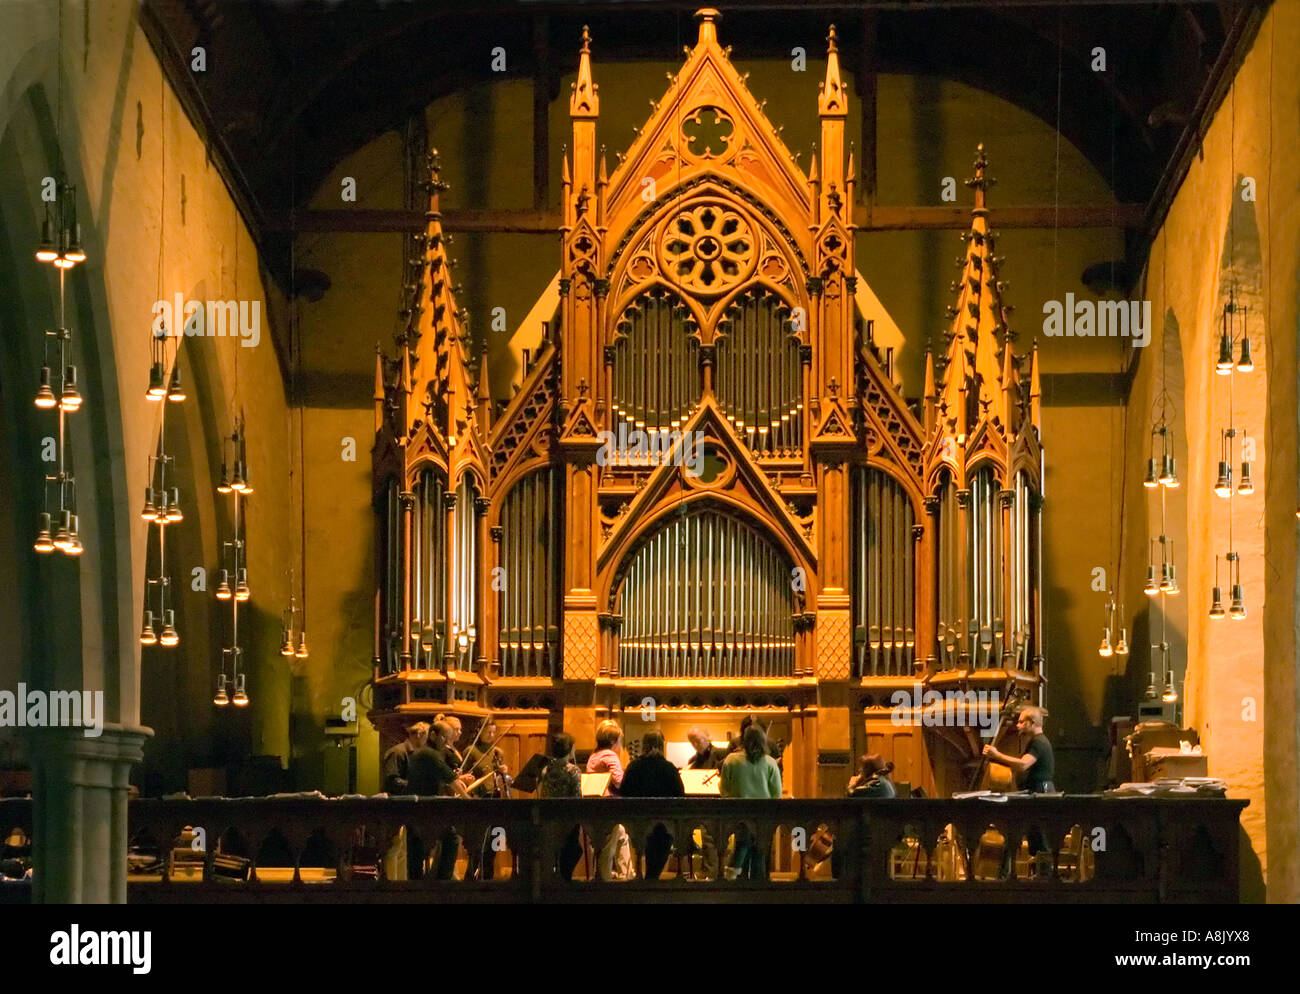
[{"x": 867, "y": 218}]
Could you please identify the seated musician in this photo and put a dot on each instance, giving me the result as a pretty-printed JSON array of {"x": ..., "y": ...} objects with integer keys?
[
  {"x": 563, "y": 778},
  {"x": 606, "y": 759},
  {"x": 707, "y": 755},
  {"x": 652, "y": 775},
  {"x": 873, "y": 780}
]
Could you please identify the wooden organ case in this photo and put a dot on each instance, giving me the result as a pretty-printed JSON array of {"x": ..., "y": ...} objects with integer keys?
[{"x": 709, "y": 498}]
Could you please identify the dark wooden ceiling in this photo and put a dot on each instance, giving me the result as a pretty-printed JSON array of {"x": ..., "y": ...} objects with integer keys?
[{"x": 294, "y": 86}]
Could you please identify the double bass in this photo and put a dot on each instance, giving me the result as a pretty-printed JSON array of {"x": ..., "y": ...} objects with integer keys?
[{"x": 1000, "y": 777}]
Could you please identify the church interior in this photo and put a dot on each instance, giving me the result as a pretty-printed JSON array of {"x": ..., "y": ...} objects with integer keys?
[{"x": 914, "y": 383}]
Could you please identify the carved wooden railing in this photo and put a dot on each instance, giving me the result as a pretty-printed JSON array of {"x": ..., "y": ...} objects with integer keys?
[{"x": 888, "y": 851}]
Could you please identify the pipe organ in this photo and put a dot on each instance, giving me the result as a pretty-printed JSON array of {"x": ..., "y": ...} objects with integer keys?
[{"x": 708, "y": 489}]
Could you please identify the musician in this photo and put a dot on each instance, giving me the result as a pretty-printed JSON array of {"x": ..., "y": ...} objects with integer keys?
[
  {"x": 429, "y": 773},
  {"x": 652, "y": 775},
  {"x": 444, "y": 766},
  {"x": 606, "y": 758},
  {"x": 482, "y": 758},
  {"x": 1036, "y": 766},
  {"x": 396, "y": 759},
  {"x": 752, "y": 773},
  {"x": 873, "y": 780},
  {"x": 563, "y": 778},
  {"x": 707, "y": 755}
]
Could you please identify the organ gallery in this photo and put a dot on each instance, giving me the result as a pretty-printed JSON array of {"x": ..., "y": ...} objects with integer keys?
[{"x": 808, "y": 453}]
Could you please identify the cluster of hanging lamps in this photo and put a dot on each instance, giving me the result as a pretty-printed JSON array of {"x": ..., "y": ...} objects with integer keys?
[{"x": 57, "y": 389}]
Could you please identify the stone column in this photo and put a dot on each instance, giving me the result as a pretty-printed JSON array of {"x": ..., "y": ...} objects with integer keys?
[{"x": 79, "y": 823}]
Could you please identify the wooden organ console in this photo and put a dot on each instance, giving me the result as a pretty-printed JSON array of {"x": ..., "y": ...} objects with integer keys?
[{"x": 773, "y": 529}]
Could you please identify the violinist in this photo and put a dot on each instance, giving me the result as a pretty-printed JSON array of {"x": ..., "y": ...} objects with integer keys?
[
  {"x": 707, "y": 755},
  {"x": 485, "y": 757},
  {"x": 438, "y": 764}
]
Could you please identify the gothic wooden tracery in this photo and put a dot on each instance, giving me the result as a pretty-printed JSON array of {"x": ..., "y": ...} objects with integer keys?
[{"x": 709, "y": 491}]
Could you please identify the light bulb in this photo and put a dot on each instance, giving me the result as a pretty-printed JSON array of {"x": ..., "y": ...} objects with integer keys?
[
  {"x": 45, "y": 398},
  {"x": 1151, "y": 481},
  {"x": 169, "y": 636},
  {"x": 70, "y": 400},
  {"x": 1247, "y": 486},
  {"x": 286, "y": 643},
  {"x": 44, "y": 543},
  {"x": 240, "y": 698},
  {"x": 1216, "y": 607},
  {"x": 147, "y": 635},
  {"x": 1105, "y": 649},
  {"x": 302, "y": 652},
  {"x": 242, "y": 593},
  {"x": 1223, "y": 486},
  {"x": 1237, "y": 610},
  {"x": 1170, "y": 695},
  {"x": 1121, "y": 647},
  {"x": 223, "y": 586},
  {"x": 157, "y": 388},
  {"x": 1245, "y": 364},
  {"x": 220, "y": 699}
]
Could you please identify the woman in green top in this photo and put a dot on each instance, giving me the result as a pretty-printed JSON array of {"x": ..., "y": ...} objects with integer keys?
[{"x": 751, "y": 773}]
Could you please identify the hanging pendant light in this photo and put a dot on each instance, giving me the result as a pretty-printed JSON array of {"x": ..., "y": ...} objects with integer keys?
[
  {"x": 219, "y": 698},
  {"x": 1223, "y": 486},
  {"x": 1151, "y": 692},
  {"x": 70, "y": 400},
  {"x": 238, "y": 483},
  {"x": 174, "y": 513},
  {"x": 286, "y": 642},
  {"x": 169, "y": 636},
  {"x": 302, "y": 651},
  {"x": 242, "y": 593},
  {"x": 1151, "y": 481},
  {"x": 223, "y": 586},
  {"x": 1237, "y": 610},
  {"x": 46, "y": 251},
  {"x": 1105, "y": 649},
  {"x": 1246, "y": 364},
  {"x": 74, "y": 546},
  {"x": 1216, "y": 608},
  {"x": 44, "y": 543},
  {"x": 63, "y": 537},
  {"x": 176, "y": 392},
  {"x": 157, "y": 388},
  {"x": 74, "y": 253},
  {"x": 150, "y": 510},
  {"x": 1152, "y": 588},
  {"x": 224, "y": 487},
  {"x": 1170, "y": 694},
  {"x": 1247, "y": 486},
  {"x": 147, "y": 635},
  {"x": 45, "y": 398},
  {"x": 1168, "y": 472},
  {"x": 1225, "y": 362},
  {"x": 240, "y": 699}
]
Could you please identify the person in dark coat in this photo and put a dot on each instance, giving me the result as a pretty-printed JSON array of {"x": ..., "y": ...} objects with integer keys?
[{"x": 652, "y": 775}]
